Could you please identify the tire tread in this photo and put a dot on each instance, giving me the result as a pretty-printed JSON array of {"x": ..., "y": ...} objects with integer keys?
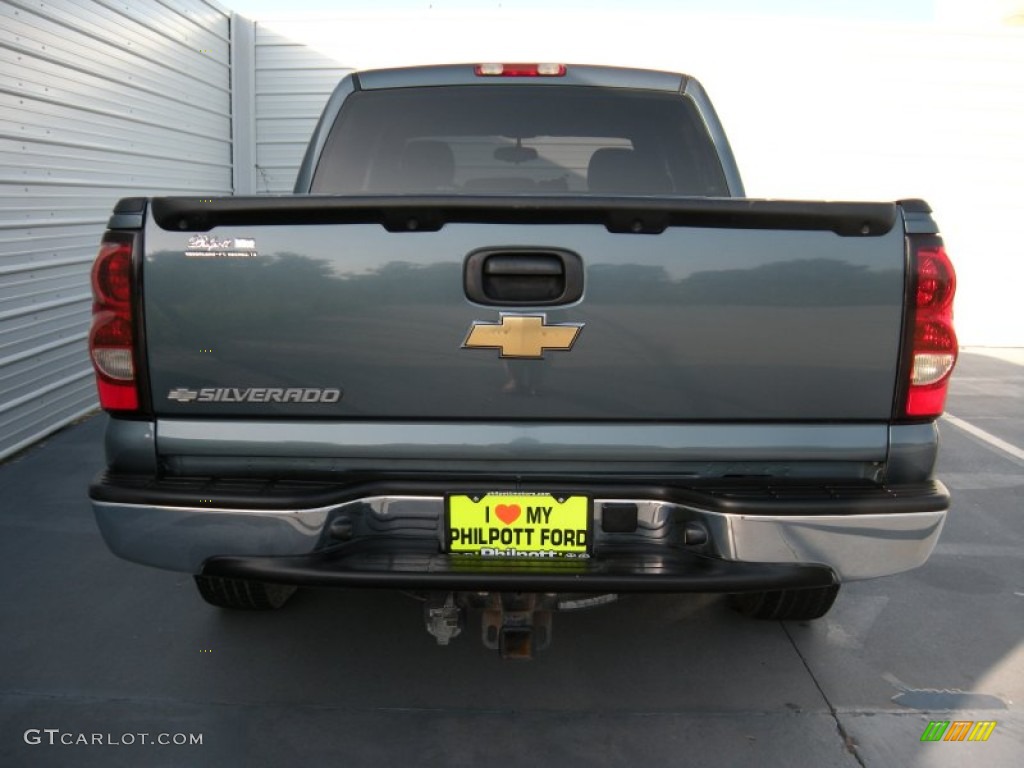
[
  {"x": 786, "y": 604},
  {"x": 242, "y": 594}
]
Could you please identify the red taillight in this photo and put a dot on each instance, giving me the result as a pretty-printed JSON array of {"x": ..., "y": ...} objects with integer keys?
[
  {"x": 112, "y": 338},
  {"x": 520, "y": 70},
  {"x": 112, "y": 273},
  {"x": 934, "y": 346},
  {"x": 936, "y": 282}
]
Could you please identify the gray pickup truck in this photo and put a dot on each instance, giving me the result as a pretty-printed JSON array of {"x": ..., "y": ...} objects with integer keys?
[{"x": 519, "y": 343}]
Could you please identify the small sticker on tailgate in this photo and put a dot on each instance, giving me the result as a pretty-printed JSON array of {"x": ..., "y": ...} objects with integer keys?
[{"x": 507, "y": 524}]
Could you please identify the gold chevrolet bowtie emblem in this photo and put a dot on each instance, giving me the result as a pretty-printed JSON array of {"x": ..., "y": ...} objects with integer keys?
[{"x": 523, "y": 336}]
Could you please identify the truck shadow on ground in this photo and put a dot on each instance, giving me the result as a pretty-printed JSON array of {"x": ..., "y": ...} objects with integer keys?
[{"x": 643, "y": 653}]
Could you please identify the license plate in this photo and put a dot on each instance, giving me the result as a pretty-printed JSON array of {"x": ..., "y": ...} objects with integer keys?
[{"x": 498, "y": 524}]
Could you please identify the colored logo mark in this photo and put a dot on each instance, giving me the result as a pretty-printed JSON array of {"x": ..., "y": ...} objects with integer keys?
[{"x": 958, "y": 730}]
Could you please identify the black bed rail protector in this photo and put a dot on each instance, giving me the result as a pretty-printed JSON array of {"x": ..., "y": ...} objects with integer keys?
[
  {"x": 129, "y": 213},
  {"x": 411, "y": 213},
  {"x": 395, "y": 564},
  {"x": 753, "y": 496}
]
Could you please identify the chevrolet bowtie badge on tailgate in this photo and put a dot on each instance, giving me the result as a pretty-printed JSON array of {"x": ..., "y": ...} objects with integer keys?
[{"x": 522, "y": 336}]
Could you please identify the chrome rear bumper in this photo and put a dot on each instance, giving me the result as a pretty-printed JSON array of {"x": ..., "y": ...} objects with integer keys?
[{"x": 873, "y": 533}]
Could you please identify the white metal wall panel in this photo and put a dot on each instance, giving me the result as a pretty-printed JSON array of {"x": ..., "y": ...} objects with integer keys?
[
  {"x": 98, "y": 100},
  {"x": 293, "y": 82}
]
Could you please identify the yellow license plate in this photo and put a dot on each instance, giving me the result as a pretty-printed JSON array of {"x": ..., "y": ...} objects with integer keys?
[{"x": 497, "y": 524}]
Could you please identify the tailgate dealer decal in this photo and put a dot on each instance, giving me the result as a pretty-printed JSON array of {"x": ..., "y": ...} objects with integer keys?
[
  {"x": 210, "y": 247},
  {"x": 519, "y": 525}
]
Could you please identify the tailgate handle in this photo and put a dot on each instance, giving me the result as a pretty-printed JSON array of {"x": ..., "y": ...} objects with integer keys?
[
  {"x": 526, "y": 264},
  {"x": 534, "y": 277}
]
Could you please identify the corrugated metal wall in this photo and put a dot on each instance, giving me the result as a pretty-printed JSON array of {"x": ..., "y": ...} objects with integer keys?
[
  {"x": 293, "y": 82},
  {"x": 98, "y": 101}
]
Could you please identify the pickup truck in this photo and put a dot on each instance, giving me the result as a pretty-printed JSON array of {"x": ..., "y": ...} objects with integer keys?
[{"x": 519, "y": 343}]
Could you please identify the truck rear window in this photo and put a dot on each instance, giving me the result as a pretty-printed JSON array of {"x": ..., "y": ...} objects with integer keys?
[{"x": 519, "y": 140}]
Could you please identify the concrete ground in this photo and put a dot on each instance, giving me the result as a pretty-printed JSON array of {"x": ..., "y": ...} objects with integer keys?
[{"x": 94, "y": 645}]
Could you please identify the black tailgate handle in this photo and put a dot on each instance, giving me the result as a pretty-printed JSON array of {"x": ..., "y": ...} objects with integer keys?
[{"x": 523, "y": 277}]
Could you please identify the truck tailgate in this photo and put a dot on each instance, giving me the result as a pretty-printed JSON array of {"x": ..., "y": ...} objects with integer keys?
[{"x": 739, "y": 317}]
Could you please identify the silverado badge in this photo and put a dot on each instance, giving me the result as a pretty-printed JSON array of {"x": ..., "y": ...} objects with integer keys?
[{"x": 522, "y": 336}]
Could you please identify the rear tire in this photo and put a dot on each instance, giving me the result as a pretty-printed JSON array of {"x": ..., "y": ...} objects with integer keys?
[
  {"x": 242, "y": 594},
  {"x": 786, "y": 604}
]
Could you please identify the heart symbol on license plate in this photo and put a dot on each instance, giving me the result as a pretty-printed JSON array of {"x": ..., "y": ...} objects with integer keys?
[{"x": 508, "y": 513}]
